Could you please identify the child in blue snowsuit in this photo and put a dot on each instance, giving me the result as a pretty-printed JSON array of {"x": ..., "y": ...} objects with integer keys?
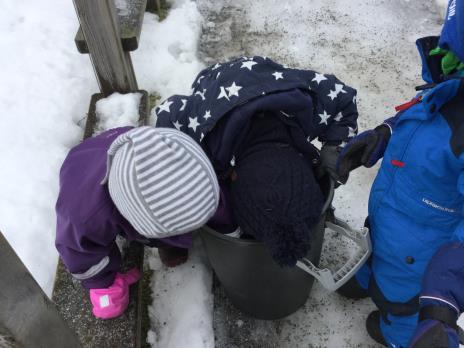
[{"x": 416, "y": 273}]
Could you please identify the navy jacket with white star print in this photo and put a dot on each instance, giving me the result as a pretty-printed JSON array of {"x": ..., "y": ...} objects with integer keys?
[{"x": 226, "y": 96}]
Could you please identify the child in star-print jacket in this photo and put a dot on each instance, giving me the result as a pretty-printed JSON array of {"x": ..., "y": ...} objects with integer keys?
[
  {"x": 155, "y": 185},
  {"x": 226, "y": 96},
  {"x": 256, "y": 120}
]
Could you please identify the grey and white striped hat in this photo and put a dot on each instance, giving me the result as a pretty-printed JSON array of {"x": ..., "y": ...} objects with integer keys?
[{"x": 161, "y": 181}]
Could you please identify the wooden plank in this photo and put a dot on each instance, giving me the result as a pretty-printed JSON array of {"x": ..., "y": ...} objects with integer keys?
[
  {"x": 130, "y": 17},
  {"x": 100, "y": 28},
  {"x": 26, "y": 313}
]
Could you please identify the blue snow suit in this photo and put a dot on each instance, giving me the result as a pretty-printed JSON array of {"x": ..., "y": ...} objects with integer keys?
[{"x": 416, "y": 201}]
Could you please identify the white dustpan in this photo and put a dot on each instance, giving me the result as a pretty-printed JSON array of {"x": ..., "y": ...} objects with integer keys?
[{"x": 333, "y": 280}]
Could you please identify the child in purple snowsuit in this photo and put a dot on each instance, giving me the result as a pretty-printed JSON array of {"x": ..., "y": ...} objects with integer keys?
[{"x": 160, "y": 185}]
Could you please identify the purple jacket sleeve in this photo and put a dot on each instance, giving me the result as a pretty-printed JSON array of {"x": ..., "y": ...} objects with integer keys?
[
  {"x": 223, "y": 220},
  {"x": 444, "y": 278},
  {"x": 89, "y": 250},
  {"x": 443, "y": 281}
]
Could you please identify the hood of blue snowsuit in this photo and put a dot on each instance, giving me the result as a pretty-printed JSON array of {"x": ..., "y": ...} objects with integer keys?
[
  {"x": 431, "y": 65},
  {"x": 452, "y": 34}
]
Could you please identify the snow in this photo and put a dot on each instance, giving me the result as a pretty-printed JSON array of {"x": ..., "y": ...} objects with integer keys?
[
  {"x": 122, "y": 7},
  {"x": 443, "y": 4},
  {"x": 166, "y": 61},
  {"x": 45, "y": 90},
  {"x": 117, "y": 110},
  {"x": 46, "y": 87},
  {"x": 5, "y": 342},
  {"x": 181, "y": 313}
]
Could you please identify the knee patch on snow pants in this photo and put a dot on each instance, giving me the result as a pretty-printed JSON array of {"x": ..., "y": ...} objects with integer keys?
[
  {"x": 385, "y": 306},
  {"x": 399, "y": 319}
]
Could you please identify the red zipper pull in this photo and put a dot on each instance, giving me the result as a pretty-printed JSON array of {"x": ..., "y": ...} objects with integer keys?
[{"x": 408, "y": 104}]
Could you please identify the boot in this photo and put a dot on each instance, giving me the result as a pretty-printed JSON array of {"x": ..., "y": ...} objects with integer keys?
[
  {"x": 373, "y": 328},
  {"x": 352, "y": 290},
  {"x": 173, "y": 256}
]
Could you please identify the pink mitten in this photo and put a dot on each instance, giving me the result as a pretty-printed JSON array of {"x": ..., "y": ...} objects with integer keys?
[{"x": 112, "y": 302}]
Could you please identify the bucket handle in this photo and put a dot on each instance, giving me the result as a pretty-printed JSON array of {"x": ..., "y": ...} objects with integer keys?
[
  {"x": 330, "y": 195},
  {"x": 334, "y": 280}
]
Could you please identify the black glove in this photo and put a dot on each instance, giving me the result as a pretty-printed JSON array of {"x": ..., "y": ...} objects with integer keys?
[
  {"x": 365, "y": 149},
  {"x": 328, "y": 158}
]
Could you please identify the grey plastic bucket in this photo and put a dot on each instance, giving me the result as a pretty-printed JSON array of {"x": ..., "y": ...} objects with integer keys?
[{"x": 253, "y": 282}]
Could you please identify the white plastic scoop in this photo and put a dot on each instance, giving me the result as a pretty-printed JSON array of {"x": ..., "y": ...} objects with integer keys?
[{"x": 333, "y": 280}]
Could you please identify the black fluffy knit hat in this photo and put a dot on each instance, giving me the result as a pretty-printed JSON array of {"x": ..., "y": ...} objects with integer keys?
[{"x": 275, "y": 196}]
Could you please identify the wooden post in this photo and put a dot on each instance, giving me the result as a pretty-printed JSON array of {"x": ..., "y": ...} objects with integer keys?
[
  {"x": 154, "y": 6},
  {"x": 26, "y": 313},
  {"x": 112, "y": 66}
]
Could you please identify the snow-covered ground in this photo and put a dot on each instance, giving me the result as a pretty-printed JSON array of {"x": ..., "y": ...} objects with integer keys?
[
  {"x": 44, "y": 91},
  {"x": 46, "y": 86}
]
